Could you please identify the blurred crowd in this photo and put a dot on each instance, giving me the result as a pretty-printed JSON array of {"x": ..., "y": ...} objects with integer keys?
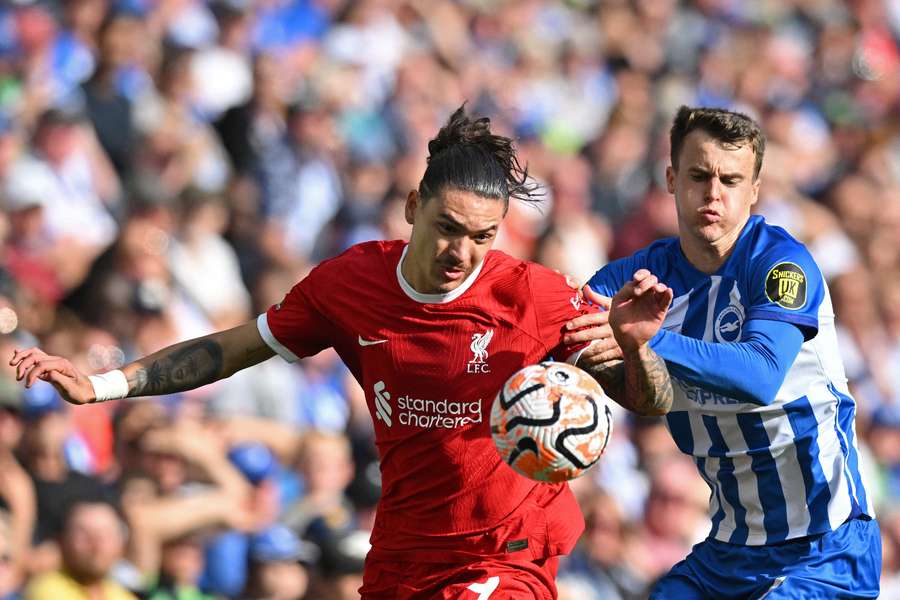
[{"x": 172, "y": 167}]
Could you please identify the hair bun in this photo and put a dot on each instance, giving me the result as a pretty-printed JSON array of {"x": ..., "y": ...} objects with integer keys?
[
  {"x": 459, "y": 129},
  {"x": 466, "y": 155}
]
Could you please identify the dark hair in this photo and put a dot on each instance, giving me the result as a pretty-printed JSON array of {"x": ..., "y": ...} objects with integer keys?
[
  {"x": 465, "y": 155},
  {"x": 731, "y": 128},
  {"x": 97, "y": 497}
]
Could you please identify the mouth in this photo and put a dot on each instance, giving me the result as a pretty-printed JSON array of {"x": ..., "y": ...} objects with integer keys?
[
  {"x": 451, "y": 273},
  {"x": 709, "y": 216}
]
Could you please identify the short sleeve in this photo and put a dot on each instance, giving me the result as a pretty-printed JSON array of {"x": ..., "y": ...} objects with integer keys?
[
  {"x": 555, "y": 305},
  {"x": 610, "y": 279},
  {"x": 786, "y": 285},
  {"x": 295, "y": 327}
]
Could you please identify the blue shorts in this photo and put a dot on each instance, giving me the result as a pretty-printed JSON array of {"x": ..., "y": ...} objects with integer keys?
[{"x": 844, "y": 563}]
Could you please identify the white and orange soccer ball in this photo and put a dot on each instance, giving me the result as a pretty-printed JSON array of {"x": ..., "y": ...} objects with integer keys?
[{"x": 551, "y": 422}]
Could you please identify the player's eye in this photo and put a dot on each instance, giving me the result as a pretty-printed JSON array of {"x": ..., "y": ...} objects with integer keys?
[
  {"x": 698, "y": 176},
  {"x": 730, "y": 181},
  {"x": 446, "y": 229},
  {"x": 483, "y": 238}
]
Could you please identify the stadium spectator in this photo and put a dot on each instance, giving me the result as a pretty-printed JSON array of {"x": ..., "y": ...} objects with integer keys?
[
  {"x": 91, "y": 542},
  {"x": 17, "y": 495},
  {"x": 675, "y": 517},
  {"x": 226, "y": 553},
  {"x": 884, "y": 442},
  {"x": 202, "y": 262},
  {"x": 86, "y": 189},
  {"x": 340, "y": 565},
  {"x": 326, "y": 467},
  {"x": 59, "y": 464},
  {"x": 608, "y": 562},
  {"x": 108, "y": 103},
  {"x": 33, "y": 256},
  {"x": 181, "y": 565},
  {"x": 11, "y": 574},
  {"x": 276, "y": 565},
  {"x": 177, "y": 145}
]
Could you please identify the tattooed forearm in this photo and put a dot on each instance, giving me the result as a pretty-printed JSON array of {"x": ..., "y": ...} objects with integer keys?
[
  {"x": 647, "y": 381},
  {"x": 176, "y": 369},
  {"x": 640, "y": 383},
  {"x": 197, "y": 362}
]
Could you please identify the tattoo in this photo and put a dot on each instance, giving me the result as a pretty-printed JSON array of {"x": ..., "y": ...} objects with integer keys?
[
  {"x": 641, "y": 383},
  {"x": 182, "y": 367}
]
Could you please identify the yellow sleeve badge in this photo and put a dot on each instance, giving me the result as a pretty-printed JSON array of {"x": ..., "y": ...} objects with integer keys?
[{"x": 786, "y": 285}]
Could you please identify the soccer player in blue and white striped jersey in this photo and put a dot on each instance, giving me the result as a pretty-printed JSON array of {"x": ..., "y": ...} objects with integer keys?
[{"x": 761, "y": 399}]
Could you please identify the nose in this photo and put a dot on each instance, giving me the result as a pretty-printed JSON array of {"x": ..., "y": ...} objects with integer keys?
[
  {"x": 713, "y": 189},
  {"x": 461, "y": 249}
]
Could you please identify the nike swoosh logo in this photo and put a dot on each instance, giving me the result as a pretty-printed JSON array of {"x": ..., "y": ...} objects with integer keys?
[{"x": 363, "y": 342}]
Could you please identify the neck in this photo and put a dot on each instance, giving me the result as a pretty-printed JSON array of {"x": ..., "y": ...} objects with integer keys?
[
  {"x": 410, "y": 274},
  {"x": 706, "y": 256}
]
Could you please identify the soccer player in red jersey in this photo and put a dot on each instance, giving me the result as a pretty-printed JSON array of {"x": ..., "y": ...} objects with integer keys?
[{"x": 431, "y": 330}]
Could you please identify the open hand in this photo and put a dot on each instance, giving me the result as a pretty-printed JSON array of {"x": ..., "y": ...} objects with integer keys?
[
  {"x": 33, "y": 364},
  {"x": 638, "y": 310}
]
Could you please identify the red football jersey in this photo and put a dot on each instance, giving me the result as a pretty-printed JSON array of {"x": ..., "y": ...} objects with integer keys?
[{"x": 431, "y": 365}]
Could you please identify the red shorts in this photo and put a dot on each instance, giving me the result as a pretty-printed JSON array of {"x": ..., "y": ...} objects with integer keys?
[{"x": 485, "y": 580}]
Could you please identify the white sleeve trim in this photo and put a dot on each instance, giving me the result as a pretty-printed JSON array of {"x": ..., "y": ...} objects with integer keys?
[
  {"x": 262, "y": 324},
  {"x": 573, "y": 358}
]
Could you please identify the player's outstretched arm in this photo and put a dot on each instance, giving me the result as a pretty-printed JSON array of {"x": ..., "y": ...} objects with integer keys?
[
  {"x": 640, "y": 380},
  {"x": 177, "y": 368}
]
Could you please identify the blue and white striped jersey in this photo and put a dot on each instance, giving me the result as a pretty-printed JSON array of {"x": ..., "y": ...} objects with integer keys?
[{"x": 778, "y": 470}]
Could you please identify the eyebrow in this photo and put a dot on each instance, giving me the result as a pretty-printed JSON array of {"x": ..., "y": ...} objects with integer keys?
[
  {"x": 451, "y": 221},
  {"x": 705, "y": 171}
]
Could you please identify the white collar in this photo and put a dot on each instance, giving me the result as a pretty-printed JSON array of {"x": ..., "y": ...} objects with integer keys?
[{"x": 435, "y": 298}]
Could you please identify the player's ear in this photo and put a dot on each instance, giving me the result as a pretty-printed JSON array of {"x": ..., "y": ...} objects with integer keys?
[
  {"x": 412, "y": 202},
  {"x": 670, "y": 179},
  {"x": 755, "y": 190}
]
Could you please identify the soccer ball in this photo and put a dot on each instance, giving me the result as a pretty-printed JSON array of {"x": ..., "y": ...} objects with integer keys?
[{"x": 551, "y": 422}]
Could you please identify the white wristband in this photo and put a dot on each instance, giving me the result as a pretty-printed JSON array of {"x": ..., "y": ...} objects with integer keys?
[{"x": 111, "y": 385}]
